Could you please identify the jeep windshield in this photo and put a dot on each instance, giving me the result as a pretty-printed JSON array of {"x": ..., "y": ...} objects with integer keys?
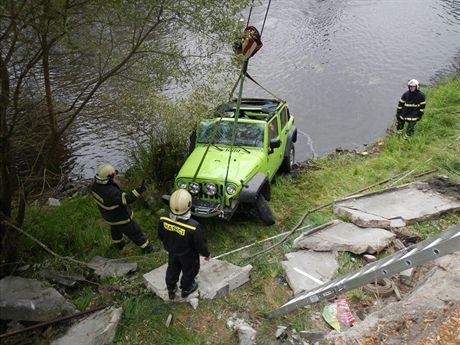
[{"x": 220, "y": 132}]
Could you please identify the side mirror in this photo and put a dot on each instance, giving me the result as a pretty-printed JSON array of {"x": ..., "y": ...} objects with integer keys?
[{"x": 274, "y": 143}]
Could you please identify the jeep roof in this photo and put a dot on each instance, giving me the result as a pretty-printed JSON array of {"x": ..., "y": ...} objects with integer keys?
[{"x": 252, "y": 108}]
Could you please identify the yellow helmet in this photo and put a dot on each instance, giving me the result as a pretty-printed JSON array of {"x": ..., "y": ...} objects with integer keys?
[
  {"x": 105, "y": 171},
  {"x": 180, "y": 202}
]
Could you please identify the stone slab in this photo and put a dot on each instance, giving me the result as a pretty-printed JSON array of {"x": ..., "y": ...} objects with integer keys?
[
  {"x": 97, "y": 329},
  {"x": 216, "y": 278},
  {"x": 396, "y": 207},
  {"x": 306, "y": 269},
  {"x": 341, "y": 236},
  {"x": 104, "y": 267},
  {"x": 31, "y": 300}
]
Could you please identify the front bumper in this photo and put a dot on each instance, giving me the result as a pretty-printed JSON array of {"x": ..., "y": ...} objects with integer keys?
[{"x": 209, "y": 209}]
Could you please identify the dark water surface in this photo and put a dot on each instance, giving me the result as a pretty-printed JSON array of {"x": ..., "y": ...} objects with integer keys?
[{"x": 341, "y": 65}]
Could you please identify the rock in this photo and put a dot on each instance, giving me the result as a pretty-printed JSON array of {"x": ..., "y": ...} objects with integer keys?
[
  {"x": 313, "y": 335},
  {"x": 168, "y": 320},
  {"x": 97, "y": 329},
  {"x": 369, "y": 258},
  {"x": 341, "y": 236},
  {"x": 281, "y": 332},
  {"x": 194, "y": 302},
  {"x": 398, "y": 206},
  {"x": 306, "y": 270},
  {"x": 216, "y": 279},
  {"x": 246, "y": 334},
  {"x": 104, "y": 267},
  {"x": 31, "y": 300},
  {"x": 53, "y": 202}
]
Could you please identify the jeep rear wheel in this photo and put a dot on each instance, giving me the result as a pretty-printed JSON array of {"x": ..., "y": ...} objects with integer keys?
[
  {"x": 264, "y": 211},
  {"x": 288, "y": 162}
]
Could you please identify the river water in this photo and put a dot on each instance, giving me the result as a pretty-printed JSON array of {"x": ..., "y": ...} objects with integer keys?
[{"x": 341, "y": 65}]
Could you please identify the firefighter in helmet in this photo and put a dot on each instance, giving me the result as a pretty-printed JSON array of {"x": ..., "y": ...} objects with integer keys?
[
  {"x": 410, "y": 107},
  {"x": 113, "y": 205},
  {"x": 183, "y": 239}
]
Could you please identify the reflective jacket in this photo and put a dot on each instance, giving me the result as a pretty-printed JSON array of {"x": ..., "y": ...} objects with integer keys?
[
  {"x": 411, "y": 106},
  {"x": 113, "y": 203},
  {"x": 182, "y": 237}
]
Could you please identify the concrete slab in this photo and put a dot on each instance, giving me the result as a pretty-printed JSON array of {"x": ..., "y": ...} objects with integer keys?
[
  {"x": 97, "y": 329},
  {"x": 31, "y": 300},
  {"x": 396, "y": 207},
  {"x": 343, "y": 236},
  {"x": 104, "y": 267},
  {"x": 306, "y": 269},
  {"x": 216, "y": 278}
]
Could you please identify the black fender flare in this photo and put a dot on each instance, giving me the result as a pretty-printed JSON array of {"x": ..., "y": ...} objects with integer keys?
[
  {"x": 257, "y": 184},
  {"x": 291, "y": 138}
]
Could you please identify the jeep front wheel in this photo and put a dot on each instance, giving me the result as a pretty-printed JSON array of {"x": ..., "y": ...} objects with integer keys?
[
  {"x": 288, "y": 162},
  {"x": 264, "y": 211}
]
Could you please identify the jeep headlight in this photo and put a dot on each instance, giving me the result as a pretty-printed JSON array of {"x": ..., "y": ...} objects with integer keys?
[
  {"x": 231, "y": 189},
  {"x": 181, "y": 184},
  {"x": 194, "y": 188},
  {"x": 210, "y": 189}
]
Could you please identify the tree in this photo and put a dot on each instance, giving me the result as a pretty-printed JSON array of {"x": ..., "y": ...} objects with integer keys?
[{"x": 63, "y": 59}]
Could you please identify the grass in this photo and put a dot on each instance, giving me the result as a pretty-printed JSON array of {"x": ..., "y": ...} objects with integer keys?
[{"x": 75, "y": 229}]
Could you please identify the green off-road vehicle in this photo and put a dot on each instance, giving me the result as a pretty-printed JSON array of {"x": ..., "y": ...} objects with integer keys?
[{"x": 222, "y": 177}]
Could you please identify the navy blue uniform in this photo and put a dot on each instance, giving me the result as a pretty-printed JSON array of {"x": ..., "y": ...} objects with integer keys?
[
  {"x": 184, "y": 242},
  {"x": 113, "y": 206},
  {"x": 410, "y": 109}
]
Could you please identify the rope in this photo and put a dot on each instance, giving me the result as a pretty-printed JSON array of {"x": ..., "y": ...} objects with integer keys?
[
  {"x": 255, "y": 82},
  {"x": 250, "y": 11},
  {"x": 266, "y": 14}
]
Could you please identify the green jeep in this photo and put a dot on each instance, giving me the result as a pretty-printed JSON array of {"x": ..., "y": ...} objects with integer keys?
[{"x": 222, "y": 177}]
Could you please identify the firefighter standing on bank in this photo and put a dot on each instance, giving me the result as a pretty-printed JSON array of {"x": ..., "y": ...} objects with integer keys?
[
  {"x": 410, "y": 107},
  {"x": 184, "y": 241},
  {"x": 113, "y": 205}
]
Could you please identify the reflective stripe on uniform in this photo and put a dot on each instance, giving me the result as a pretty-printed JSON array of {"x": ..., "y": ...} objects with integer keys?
[
  {"x": 136, "y": 193},
  {"x": 123, "y": 199},
  {"x": 408, "y": 105},
  {"x": 145, "y": 244},
  {"x": 121, "y": 222},
  {"x": 118, "y": 241},
  {"x": 401, "y": 100},
  {"x": 106, "y": 207},
  {"x": 422, "y": 102},
  {"x": 178, "y": 223},
  {"x": 399, "y": 107},
  {"x": 411, "y": 118}
]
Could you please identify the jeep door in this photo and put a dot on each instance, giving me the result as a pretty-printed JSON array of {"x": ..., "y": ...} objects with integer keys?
[{"x": 275, "y": 154}]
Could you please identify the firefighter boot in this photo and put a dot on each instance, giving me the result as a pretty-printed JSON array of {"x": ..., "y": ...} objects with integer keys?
[
  {"x": 172, "y": 292},
  {"x": 149, "y": 249},
  {"x": 121, "y": 245},
  {"x": 193, "y": 288}
]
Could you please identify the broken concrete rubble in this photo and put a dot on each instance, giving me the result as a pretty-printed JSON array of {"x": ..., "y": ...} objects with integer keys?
[
  {"x": 216, "y": 279},
  {"x": 31, "y": 300},
  {"x": 96, "y": 329},
  {"x": 438, "y": 293},
  {"x": 246, "y": 334},
  {"x": 306, "y": 270},
  {"x": 396, "y": 207},
  {"x": 104, "y": 267},
  {"x": 341, "y": 236}
]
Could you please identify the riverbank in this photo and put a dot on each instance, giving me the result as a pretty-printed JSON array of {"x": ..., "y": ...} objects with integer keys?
[{"x": 75, "y": 229}]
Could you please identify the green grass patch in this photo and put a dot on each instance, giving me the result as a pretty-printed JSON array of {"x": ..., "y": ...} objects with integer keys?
[{"x": 76, "y": 229}]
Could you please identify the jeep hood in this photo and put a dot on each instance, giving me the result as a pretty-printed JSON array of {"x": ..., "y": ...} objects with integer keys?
[{"x": 214, "y": 167}]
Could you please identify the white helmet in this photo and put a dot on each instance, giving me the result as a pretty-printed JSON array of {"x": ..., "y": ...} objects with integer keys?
[
  {"x": 413, "y": 82},
  {"x": 105, "y": 172},
  {"x": 180, "y": 202}
]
